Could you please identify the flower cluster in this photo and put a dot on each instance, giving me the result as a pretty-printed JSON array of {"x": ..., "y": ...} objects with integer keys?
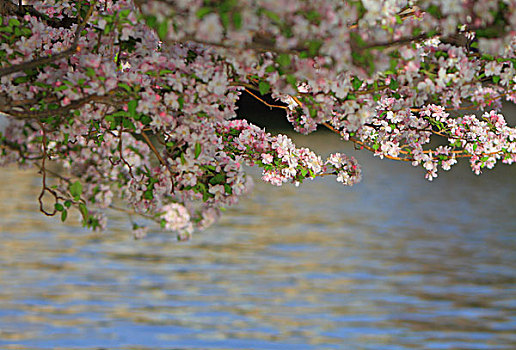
[
  {"x": 136, "y": 100},
  {"x": 347, "y": 169},
  {"x": 280, "y": 159}
]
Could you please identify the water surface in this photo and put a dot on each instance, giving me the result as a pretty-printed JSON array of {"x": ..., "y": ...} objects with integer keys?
[{"x": 395, "y": 262}]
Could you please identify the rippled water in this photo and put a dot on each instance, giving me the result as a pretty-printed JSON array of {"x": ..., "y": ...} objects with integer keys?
[{"x": 393, "y": 263}]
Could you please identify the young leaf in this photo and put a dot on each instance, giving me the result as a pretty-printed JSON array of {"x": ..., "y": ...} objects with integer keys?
[
  {"x": 64, "y": 214},
  {"x": 283, "y": 60},
  {"x": 357, "y": 83},
  {"x": 125, "y": 86},
  {"x": 237, "y": 20},
  {"x": 198, "y": 150},
  {"x": 131, "y": 107},
  {"x": 90, "y": 72},
  {"x": 76, "y": 190},
  {"x": 203, "y": 11},
  {"x": 163, "y": 30},
  {"x": 291, "y": 80},
  {"x": 218, "y": 179},
  {"x": 264, "y": 87},
  {"x": 394, "y": 84},
  {"x": 83, "y": 210}
]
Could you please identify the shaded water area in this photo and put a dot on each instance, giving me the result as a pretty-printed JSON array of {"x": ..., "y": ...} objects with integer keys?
[{"x": 395, "y": 262}]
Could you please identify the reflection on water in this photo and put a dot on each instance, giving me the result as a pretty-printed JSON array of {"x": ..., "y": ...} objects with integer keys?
[{"x": 393, "y": 263}]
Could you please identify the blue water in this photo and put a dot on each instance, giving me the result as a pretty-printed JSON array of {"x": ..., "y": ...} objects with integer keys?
[{"x": 394, "y": 263}]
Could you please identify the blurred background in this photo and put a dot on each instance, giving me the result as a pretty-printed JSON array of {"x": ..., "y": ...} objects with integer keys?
[{"x": 395, "y": 262}]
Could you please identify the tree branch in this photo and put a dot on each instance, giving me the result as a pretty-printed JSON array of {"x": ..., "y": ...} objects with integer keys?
[{"x": 61, "y": 110}]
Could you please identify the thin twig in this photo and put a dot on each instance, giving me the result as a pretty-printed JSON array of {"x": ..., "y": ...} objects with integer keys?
[
  {"x": 44, "y": 188},
  {"x": 153, "y": 149},
  {"x": 265, "y": 103}
]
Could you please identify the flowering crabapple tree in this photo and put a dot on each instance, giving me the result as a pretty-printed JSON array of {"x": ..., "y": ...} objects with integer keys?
[{"x": 131, "y": 104}]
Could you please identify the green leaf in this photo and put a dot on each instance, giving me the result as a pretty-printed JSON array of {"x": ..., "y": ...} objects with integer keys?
[
  {"x": 441, "y": 54},
  {"x": 124, "y": 13},
  {"x": 314, "y": 46},
  {"x": 393, "y": 64},
  {"x": 163, "y": 30},
  {"x": 357, "y": 83},
  {"x": 119, "y": 114},
  {"x": 431, "y": 33},
  {"x": 197, "y": 150},
  {"x": 313, "y": 16},
  {"x": 264, "y": 87},
  {"x": 64, "y": 214},
  {"x": 237, "y": 20},
  {"x": 148, "y": 195},
  {"x": 218, "y": 179},
  {"x": 203, "y": 11},
  {"x": 416, "y": 31},
  {"x": 434, "y": 11},
  {"x": 496, "y": 79},
  {"x": 165, "y": 71},
  {"x": 83, "y": 210},
  {"x": 90, "y": 72},
  {"x": 107, "y": 28},
  {"x": 394, "y": 84},
  {"x": 43, "y": 85},
  {"x": 131, "y": 108},
  {"x": 125, "y": 86},
  {"x": 76, "y": 190},
  {"x": 283, "y": 60},
  {"x": 13, "y": 22},
  {"x": 151, "y": 21},
  {"x": 291, "y": 80},
  {"x": 270, "y": 69},
  {"x": 20, "y": 80},
  {"x": 58, "y": 206},
  {"x": 313, "y": 112},
  {"x": 224, "y": 19},
  {"x": 272, "y": 15},
  {"x": 67, "y": 204},
  {"x": 61, "y": 88},
  {"x": 227, "y": 5},
  {"x": 128, "y": 124}
]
